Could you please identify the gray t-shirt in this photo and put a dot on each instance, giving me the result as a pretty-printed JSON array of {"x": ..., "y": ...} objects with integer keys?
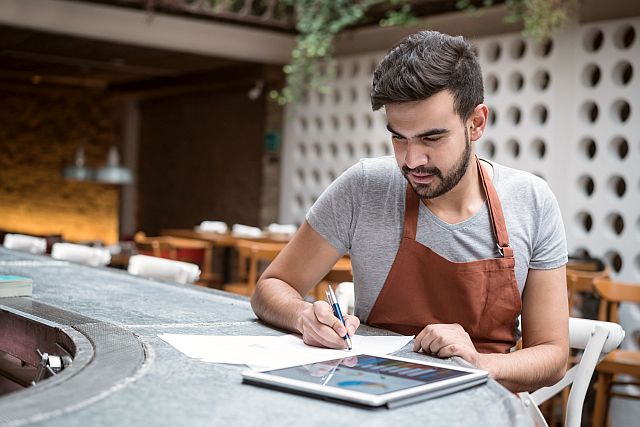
[{"x": 362, "y": 212}]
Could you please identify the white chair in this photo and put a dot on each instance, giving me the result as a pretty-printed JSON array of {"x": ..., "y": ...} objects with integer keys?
[
  {"x": 24, "y": 243},
  {"x": 163, "y": 269},
  {"x": 596, "y": 338},
  {"x": 81, "y": 254},
  {"x": 345, "y": 294}
]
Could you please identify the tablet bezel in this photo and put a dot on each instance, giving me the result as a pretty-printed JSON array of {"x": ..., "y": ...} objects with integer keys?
[{"x": 475, "y": 376}]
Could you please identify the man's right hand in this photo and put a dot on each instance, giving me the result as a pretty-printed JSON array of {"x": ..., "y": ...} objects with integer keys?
[{"x": 320, "y": 328}]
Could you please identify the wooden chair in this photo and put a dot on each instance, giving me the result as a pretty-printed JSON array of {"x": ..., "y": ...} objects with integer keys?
[
  {"x": 340, "y": 272},
  {"x": 180, "y": 249},
  {"x": 250, "y": 256},
  {"x": 580, "y": 282},
  {"x": 618, "y": 362}
]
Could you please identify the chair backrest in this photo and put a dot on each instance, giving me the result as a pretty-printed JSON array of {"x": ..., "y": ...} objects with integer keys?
[
  {"x": 163, "y": 269},
  {"x": 250, "y": 255},
  {"x": 81, "y": 254},
  {"x": 24, "y": 243},
  {"x": 581, "y": 281},
  {"x": 613, "y": 293},
  {"x": 596, "y": 338}
]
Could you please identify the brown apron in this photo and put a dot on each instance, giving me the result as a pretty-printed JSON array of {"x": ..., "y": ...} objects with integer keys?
[{"x": 424, "y": 288}]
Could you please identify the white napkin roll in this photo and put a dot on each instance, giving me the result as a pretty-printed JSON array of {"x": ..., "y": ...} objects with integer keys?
[
  {"x": 81, "y": 254},
  {"x": 246, "y": 231},
  {"x": 213, "y": 226},
  {"x": 289, "y": 229},
  {"x": 24, "y": 243},
  {"x": 163, "y": 269}
]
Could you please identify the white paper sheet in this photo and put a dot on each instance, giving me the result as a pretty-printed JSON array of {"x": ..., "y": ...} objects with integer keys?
[{"x": 272, "y": 352}]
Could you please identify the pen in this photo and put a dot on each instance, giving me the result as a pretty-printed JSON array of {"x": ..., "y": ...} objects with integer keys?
[{"x": 333, "y": 302}]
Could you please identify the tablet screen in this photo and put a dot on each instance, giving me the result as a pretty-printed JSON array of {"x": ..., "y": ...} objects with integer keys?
[{"x": 368, "y": 374}]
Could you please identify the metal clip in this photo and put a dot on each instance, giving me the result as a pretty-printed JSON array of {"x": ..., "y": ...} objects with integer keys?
[
  {"x": 500, "y": 249},
  {"x": 49, "y": 364}
]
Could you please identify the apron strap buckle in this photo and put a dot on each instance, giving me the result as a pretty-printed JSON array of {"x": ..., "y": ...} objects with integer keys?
[{"x": 505, "y": 250}]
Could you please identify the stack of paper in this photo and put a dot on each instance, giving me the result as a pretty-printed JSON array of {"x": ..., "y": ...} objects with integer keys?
[
  {"x": 262, "y": 352},
  {"x": 15, "y": 286}
]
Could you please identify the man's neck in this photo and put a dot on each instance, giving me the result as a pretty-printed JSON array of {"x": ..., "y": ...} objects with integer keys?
[{"x": 465, "y": 199}]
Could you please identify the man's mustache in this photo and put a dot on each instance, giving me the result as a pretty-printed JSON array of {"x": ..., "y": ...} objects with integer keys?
[{"x": 406, "y": 170}]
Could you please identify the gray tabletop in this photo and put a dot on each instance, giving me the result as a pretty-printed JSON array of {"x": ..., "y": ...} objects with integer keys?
[{"x": 172, "y": 389}]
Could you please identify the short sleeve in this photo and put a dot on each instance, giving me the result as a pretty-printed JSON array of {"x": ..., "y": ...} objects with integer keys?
[
  {"x": 550, "y": 243},
  {"x": 334, "y": 215}
]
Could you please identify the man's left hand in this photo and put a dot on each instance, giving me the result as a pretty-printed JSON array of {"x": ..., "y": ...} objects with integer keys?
[{"x": 446, "y": 340}]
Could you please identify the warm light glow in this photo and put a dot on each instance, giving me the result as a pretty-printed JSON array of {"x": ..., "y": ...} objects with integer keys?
[{"x": 57, "y": 214}]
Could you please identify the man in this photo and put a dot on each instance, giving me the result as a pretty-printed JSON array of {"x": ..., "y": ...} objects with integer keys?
[{"x": 443, "y": 245}]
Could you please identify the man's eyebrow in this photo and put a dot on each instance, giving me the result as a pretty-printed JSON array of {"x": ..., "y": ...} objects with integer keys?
[{"x": 425, "y": 134}]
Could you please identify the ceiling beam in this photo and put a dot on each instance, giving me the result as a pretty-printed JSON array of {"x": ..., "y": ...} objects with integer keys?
[{"x": 102, "y": 22}]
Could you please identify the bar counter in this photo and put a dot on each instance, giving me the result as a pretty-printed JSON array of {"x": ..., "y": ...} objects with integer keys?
[{"x": 168, "y": 388}]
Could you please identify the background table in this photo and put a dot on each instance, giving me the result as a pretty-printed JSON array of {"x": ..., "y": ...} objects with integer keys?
[{"x": 172, "y": 389}]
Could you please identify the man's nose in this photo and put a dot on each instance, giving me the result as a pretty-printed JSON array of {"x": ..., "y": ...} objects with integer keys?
[{"x": 416, "y": 155}]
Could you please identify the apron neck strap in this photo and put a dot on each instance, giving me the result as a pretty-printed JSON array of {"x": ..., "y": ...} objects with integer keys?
[
  {"x": 411, "y": 209},
  {"x": 498, "y": 224}
]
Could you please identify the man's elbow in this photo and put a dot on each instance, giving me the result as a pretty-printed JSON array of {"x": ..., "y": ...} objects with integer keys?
[
  {"x": 257, "y": 298},
  {"x": 558, "y": 366}
]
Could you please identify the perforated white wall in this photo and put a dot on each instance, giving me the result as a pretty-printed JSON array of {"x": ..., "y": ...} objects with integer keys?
[{"x": 567, "y": 110}]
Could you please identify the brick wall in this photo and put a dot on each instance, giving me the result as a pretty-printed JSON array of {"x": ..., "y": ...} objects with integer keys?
[{"x": 40, "y": 130}]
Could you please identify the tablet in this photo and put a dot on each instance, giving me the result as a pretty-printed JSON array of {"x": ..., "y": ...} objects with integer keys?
[{"x": 370, "y": 380}]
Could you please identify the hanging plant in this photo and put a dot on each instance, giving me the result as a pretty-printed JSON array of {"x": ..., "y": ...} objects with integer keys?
[
  {"x": 540, "y": 18},
  {"x": 318, "y": 22}
]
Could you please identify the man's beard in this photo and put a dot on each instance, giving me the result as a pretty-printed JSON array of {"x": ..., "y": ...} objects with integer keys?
[{"x": 431, "y": 191}]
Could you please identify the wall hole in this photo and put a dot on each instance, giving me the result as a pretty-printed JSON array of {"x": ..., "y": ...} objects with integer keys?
[
  {"x": 617, "y": 185},
  {"x": 518, "y": 49},
  {"x": 333, "y": 149},
  {"x": 544, "y": 48},
  {"x": 586, "y": 185},
  {"x": 492, "y": 117},
  {"x": 492, "y": 84},
  {"x": 335, "y": 123},
  {"x": 538, "y": 148},
  {"x": 624, "y": 37},
  {"x": 622, "y": 73},
  {"x": 488, "y": 149},
  {"x": 354, "y": 95},
  {"x": 585, "y": 221},
  {"x": 591, "y": 75},
  {"x": 615, "y": 223},
  {"x": 588, "y": 147},
  {"x": 621, "y": 110},
  {"x": 514, "y": 115},
  {"x": 593, "y": 40},
  {"x": 513, "y": 147},
  {"x": 516, "y": 81},
  {"x": 619, "y": 148},
  {"x": 494, "y": 50},
  {"x": 541, "y": 114},
  {"x": 542, "y": 79},
  {"x": 589, "y": 112},
  {"x": 614, "y": 260}
]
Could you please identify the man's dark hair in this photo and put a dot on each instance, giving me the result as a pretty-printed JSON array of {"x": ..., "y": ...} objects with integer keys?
[{"x": 424, "y": 64}]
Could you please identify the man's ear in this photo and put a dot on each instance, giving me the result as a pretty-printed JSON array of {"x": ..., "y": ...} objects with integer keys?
[{"x": 478, "y": 121}]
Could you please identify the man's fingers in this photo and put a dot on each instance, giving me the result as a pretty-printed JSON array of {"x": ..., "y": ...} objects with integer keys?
[
  {"x": 448, "y": 351},
  {"x": 325, "y": 315},
  {"x": 353, "y": 323}
]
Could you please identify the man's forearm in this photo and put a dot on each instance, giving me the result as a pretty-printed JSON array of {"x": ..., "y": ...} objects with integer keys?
[
  {"x": 527, "y": 369},
  {"x": 278, "y": 304}
]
